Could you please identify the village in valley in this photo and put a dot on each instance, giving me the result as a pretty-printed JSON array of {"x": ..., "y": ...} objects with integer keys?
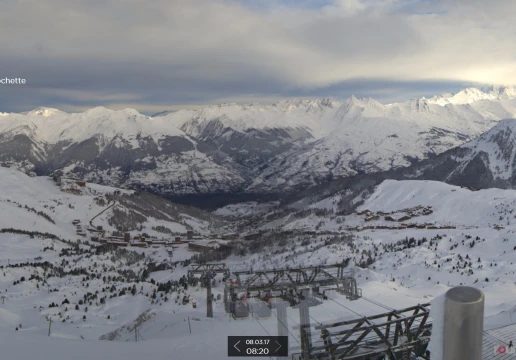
[
  {"x": 142, "y": 240},
  {"x": 97, "y": 234}
]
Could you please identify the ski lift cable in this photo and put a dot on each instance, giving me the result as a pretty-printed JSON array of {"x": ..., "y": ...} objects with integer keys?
[
  {"x": 325, "y": 308},
  {"x": 378, "y": 304},
  {"x": 295, "y": 322},
  {"x": 311, "y": 317},
  {"x": 345, "y": 307},
  {"x": 260, "y": 324}
]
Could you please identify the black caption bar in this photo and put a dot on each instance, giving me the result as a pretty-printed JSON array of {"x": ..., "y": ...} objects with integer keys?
[{"x": 258, "y": 346}]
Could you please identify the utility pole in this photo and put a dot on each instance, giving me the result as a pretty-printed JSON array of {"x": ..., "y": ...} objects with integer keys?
[
  {"x": 209, "y": 303},
  {"x": 135, "y": 335},
  {"x": 49, "y": 325},
  {"x": 304, "y": 325},
  {"x": 226, "y": 299}
]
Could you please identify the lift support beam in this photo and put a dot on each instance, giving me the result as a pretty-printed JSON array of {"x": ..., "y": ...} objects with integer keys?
[
  {"x": 300, "y": 278},
  {"x": 399, "y": 334}
]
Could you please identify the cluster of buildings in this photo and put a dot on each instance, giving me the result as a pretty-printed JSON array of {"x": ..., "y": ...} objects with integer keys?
[
  {"x": 73, "y": 187},
  {"x": 138, "y": 240},
  {"x": 399, "y": 215},
  {"x": 99, "y": 235},
  {"x": 76, "y": 187},
  {"x": 194, "y": 242}
]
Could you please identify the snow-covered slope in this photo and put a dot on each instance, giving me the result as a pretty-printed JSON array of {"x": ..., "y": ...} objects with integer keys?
[
  {"x": 38, "y": 204},
  {"x": 486, "y": 162},
  {"x": 416, "y": 202},
  {"x": 101, "y": 301},
  {"x": 449, "y": 205},
  {"x": 252, "y": 148}
]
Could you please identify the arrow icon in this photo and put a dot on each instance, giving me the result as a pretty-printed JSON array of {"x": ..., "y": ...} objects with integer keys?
[
  {"x": 278, "y": 346},
  {"x": 236, "y": 347}
]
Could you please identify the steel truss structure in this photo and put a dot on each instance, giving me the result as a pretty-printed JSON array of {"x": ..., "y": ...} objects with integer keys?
[
  {"x": 299, "y": 287},
  {"x": 206, "y": 273},
  {"x": 395, "y": 335},
  {"x": 342, "y": 279}
]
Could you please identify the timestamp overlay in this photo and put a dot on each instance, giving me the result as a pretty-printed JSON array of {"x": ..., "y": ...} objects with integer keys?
[{"x": 258, "y": 346}]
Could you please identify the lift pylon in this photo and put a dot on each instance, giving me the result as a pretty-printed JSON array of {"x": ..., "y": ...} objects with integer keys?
[{"x": 207, "y": 272}]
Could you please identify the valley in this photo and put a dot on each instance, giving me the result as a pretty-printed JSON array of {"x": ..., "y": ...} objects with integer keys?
[
  {"x": 90, "y": 289},
  {"x": 89, "y": 265}
]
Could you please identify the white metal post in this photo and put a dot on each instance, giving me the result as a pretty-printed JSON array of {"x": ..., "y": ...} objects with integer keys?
[{"x": 463, "y": 323}]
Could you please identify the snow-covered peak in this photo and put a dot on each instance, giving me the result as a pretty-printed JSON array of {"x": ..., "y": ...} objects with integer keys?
[
  {"x": 461, "y": 112},
  {"x": 505, "y": 92},
  {"x": 414, "y": 106},
  {"x": 132, "y": 112},
  {"x": 97, "y": 110},
  {"x": 354, "y": 107},
  {"x": 364, "y": 102},
  {"x": 292, "y": 104},
  {"x": 44, "y": 111},
  {"x": 471, "y": 95}
]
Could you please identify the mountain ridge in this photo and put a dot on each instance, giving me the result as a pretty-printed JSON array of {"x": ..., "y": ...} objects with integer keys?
[{"x": 241, "y": 149}]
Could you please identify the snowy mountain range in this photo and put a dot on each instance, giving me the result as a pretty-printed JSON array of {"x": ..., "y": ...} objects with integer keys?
[
  {"x": 486, "y": 162},
  {"x": 246, "y": 149}
]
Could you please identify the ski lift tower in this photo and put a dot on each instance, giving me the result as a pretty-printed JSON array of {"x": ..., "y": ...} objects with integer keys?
[{"x": 206, "y": 273}]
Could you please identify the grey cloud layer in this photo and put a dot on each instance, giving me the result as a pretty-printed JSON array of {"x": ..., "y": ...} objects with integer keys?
[{"x": 162, "y": 52}]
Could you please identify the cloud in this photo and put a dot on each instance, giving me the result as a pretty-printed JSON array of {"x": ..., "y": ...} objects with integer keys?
[{"x": 172, "y": 52}]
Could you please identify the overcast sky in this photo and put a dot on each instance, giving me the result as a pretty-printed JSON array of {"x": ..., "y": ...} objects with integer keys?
[{"x": 153, "y": 55}]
